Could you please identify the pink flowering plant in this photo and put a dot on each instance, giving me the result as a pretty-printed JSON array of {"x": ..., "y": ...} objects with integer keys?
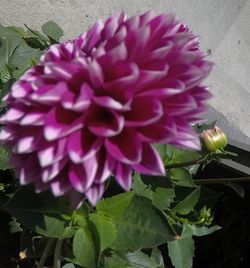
[{"x": 100, "y": 139}]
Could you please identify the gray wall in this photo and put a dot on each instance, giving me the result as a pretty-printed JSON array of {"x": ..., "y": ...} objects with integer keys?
[{"x": 222, "y": 24}]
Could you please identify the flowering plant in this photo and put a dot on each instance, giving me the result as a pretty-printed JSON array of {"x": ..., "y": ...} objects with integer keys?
[{"x": 86, "y": 119}]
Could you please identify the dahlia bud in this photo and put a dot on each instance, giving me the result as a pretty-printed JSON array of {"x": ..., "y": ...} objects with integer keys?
[{"x": 214, "y": 139}]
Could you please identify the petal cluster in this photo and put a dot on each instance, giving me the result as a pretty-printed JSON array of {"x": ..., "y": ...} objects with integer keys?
[{"x": 95, "y": 106}]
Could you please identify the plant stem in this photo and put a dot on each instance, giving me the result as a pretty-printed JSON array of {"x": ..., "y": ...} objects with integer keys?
[
  {"x": 57, "y": 256},
  {"x": 221, "y": 180},
  {"x": 46, "y": 252}
]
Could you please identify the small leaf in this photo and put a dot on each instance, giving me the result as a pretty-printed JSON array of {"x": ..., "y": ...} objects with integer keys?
[
  {"x": 201, "y": 231},
  {"x": 106, "y": 229},
  {"x": 4, "y": 158},
  {"x": 83, "y": 248},
  {"x": 181, "y": 252},
  {"x": 181, "y": 177},
  {"x": 52, "y": 30},
  {"x": 175, "y": 155},
  {"x": 14, "y": 226},
  {"x": 187, "y": 205},
  {"x": 116, "y": 204}
]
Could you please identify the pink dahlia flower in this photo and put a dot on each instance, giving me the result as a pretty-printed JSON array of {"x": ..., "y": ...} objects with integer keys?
[{"x": 94, "y": 107}]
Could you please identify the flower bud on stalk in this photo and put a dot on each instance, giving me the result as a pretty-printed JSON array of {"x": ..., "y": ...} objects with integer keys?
[{"x": 214, "y": 139}]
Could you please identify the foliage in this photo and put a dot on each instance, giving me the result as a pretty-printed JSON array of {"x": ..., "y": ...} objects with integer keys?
[{"x": 125, "y": 229}]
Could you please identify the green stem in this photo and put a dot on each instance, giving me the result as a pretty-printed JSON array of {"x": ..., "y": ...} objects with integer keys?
[
  {"x": 46, "y": 252},
  {"x": 57, "y": 256},
  {"x": 221, "y": 180}
]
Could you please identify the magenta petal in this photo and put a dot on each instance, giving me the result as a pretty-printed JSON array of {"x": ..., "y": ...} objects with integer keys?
[
  {"x": 119, "y": 148},
  {"x": 108, "y": 102},
  {"x": 105, "y": 123},
  {"x": 139, "y": 116},
  {"x": 82, "y": 175},
  {"x": 50, "y": 172},
  {"x": 60, "y": 186},
  {"x": 14, "y": 114},
  {"x": 60, "y": 123},
  {"x": 50, "y": 95},
  {"x": 29, "y": 171},
  {"x": 163, "y": 131},
  {"x": 123, "y": 176},
  {"x": 78, "y": 102},
  {"x": 35, "y": 117},
  {"x": 151, "y": 163},
  {"x": 50, "y": 153},
  {"x": 95, "y": 193},
  {"x": 82, "y": 145},
  {"x": 106, "y": 164}
]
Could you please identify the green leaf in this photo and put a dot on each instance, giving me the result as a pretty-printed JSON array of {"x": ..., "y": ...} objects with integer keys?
[
  {"x": 42, "y": 213},
  {"x": 181, "y": 252},
  {"x": 187, "y": 205},
  {"x": 4, "y": 158},
  {"x": 175, "y": 155},
  {"x": 52, "y": 30},
  {"x": 141, "y": 225},
  {"x": 106, "y": 229},
  {"x": 116, "y": 204},
  {"x": 136, "y": 259},
  {"x": 157, "y": 256},
  {"x": 14, "y": 226},
  {"x": 201, "y": 231},
  {"x": 181, "y": 177},
  {"x": 84, "y": 248},
  {"x": 116, "y": 261},
  {"x": 161, "y": 197}
]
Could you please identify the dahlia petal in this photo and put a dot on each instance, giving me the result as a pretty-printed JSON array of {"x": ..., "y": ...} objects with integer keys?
[
  {"x": 60, "y": 186},
  {"x": 96, "y": 74},
  {"x": 82, "y": 145},
  {"x": 151, "y": 163},
  {"x": 114, "y": 55},
  {"x": 108, "y": 102},
  {"x": 82, "y": 175},
  {"x": 60, "y": 123},
  {"x": 35, "y": 117},
  {"x": 179, "y": 104},
  {"x": 93, "y": 35},
  {"x": 123, "y": 176},
  {"x": 146, "y": 17},
  {"x": 50, "y": 94},
  {"x": 50, "y": 153},
  {"x": 118, "y": 147},
  {"x": 50, "y": 172},
  {"x": 15, "y": 113},
  {"x": 110, "y": 27},
  {"x": 29, "y": 171},
  {"x": 78, "y": 102},
  {"x": 148, "y": 77},
  {"x": 105, "y": 123},
  {"x": 7, "y": 133},
  {"x": 20, "y": 89},
  {"x": 106, "y": 164},
  {"x": 139, "y": 116},
  {"x": 95, "y": 193},
  {"x": 161, "y": 132}
]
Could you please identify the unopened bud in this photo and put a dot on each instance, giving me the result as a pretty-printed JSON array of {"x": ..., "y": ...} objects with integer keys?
[{"x": 214, "y": 139}]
